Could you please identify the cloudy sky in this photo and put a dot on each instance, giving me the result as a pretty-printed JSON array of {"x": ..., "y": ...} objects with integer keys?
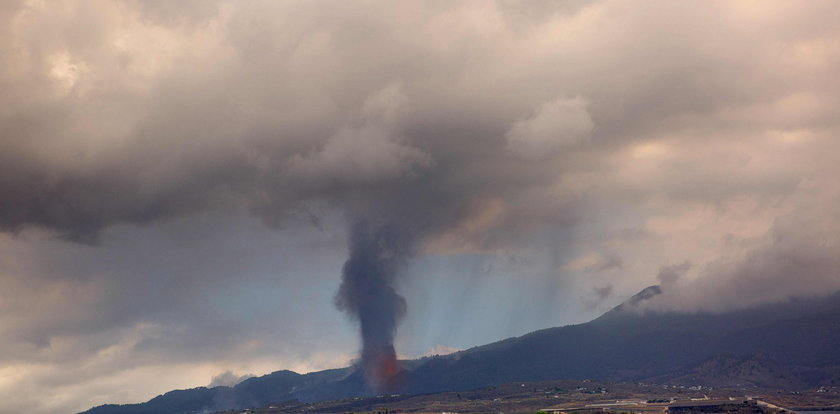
[{"x": 179, "y": 180}]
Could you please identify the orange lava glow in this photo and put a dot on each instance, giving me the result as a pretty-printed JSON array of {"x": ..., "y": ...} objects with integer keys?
[
  {"x": 386, "y": 374},
  {"x": 390, "y": 369}
]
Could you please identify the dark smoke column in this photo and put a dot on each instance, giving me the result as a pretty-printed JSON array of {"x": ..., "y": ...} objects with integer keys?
[{"x": 367, "y": 293}]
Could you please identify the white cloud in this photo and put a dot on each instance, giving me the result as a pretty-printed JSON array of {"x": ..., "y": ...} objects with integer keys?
[{"x": 228, "y": 379}]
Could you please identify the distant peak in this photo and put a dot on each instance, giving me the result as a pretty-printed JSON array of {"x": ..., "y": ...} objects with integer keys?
[
  {"x": 644, "y": 295},
  {"x": 634, "y": 301}
]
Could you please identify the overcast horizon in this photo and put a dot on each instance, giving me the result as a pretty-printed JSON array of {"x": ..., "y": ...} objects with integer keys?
[{"x": 194, "y": 192}]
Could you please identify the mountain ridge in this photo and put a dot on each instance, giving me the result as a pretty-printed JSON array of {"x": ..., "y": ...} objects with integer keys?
[{"x": 791, "y": 344}]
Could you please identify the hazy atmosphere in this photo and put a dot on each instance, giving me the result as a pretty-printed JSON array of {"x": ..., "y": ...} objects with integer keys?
[{"x": 193, "y": 192}]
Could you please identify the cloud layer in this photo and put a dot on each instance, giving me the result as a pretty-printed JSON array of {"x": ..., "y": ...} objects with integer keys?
[{"x": 170, "y": 170}]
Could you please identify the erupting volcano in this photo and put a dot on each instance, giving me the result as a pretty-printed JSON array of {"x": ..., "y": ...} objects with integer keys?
[
  {"x": 381, "y": 368},
  {"x": 367, "y": 293}
]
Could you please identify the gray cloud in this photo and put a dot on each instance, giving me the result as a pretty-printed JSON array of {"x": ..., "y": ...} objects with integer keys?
[
  {"x": 598, "y": 296},
  {"x": 672, "y": 273},
  {"x": 555, "y": 126},
  {"x": 796, "y": 257}
]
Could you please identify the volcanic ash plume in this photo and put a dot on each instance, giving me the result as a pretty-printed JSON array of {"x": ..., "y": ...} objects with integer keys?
[{"x": 367, "y": 293}]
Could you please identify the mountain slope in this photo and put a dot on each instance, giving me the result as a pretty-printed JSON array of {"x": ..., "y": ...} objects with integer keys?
[
  {"x": 779, "y": 345},
  {"x": 626, "y": 345}
]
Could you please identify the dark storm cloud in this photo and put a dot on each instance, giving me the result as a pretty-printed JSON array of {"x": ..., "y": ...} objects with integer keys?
[
  {"x": 243, "y": 134},
  {"x": 191, "y": 147}
]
